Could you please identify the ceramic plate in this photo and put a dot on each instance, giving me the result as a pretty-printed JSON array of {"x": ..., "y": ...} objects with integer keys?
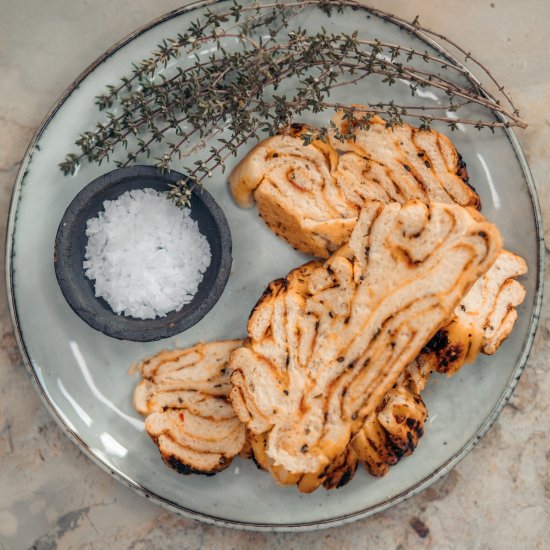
[{"x": 83, "y": 377}]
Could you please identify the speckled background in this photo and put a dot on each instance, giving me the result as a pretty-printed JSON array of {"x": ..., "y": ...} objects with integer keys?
[{"x": 52, "y": 496}]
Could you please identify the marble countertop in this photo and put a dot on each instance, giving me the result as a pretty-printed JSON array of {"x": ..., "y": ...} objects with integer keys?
[{"x": 52, "y": 496}]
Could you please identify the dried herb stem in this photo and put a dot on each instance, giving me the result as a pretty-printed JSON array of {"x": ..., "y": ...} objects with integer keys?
[{"x": 174, "y": 105}]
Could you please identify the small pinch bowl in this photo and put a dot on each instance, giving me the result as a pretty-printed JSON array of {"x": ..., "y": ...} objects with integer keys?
[{"x": 70, "y": 247}]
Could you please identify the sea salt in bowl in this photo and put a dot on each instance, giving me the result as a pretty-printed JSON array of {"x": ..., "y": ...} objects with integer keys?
[{"x": 79, "y": 290}]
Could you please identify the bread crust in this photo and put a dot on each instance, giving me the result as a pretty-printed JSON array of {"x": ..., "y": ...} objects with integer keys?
[
  {"x": 311, "y": 195},
  {"x": 183, "y": 395},
  {"x": 305, "y": 376}
]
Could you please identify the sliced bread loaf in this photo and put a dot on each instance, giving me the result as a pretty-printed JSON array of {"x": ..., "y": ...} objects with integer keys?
[
  {"x": 311, "y": 195},
  {"x": 184, "y": 396},
  {"x": 327, "y": 343},
  {"x": 393, "y": 431}
]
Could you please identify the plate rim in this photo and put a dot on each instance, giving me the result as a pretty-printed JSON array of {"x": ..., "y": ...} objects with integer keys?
[{"x": 212, "y": 519}]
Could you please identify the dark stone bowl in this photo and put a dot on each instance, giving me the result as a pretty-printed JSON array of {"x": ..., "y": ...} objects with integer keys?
[{"x": 70, "y": 245}]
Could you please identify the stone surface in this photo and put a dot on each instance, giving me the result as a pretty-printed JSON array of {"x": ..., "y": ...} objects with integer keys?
[{"x": 52, "y": 496}]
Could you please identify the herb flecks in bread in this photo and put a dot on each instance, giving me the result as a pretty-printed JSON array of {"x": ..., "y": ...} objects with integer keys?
[
  {"x": 184, "y": 396},
  {"x": 311, "y": 195},
  {"x": 481, "y": 322},
  {"x": 323, "y": 350}
]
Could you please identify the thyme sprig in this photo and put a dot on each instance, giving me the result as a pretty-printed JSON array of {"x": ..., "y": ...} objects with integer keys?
[{"x": 183, "y": 106}]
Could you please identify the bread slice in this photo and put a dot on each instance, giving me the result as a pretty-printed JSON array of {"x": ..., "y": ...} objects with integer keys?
[
  {"x": 325, "y": 347},
  {"x": 407, "y": 162},
  {"x": 393, "y": 431},
  {"x": 311, "y": 195},
  {"x": 184, "y": 396},
  {"x": 481, "y": 322},
  {"x": 490, "y": 307},
  {"x": 296, "y": 194}
]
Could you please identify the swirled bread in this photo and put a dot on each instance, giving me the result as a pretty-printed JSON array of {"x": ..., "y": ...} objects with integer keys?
[
  {"x": 481, "y": 322},
  {"x": 296, "y": 194},
  {"x": 184, "y": 396},
  {"x": 325, "y": 347},
  {"x": 311, "y": 195},
  {"x": 393, "y": 431},
  {"x": 405, "y": 162},
  {"x": 489, "y": 308}
]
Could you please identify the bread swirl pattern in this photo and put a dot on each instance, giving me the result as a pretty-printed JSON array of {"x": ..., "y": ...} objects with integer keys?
[
  {"x": 184, "y": 396},
  {"x": 322, "y": 354},
  {"x": 480, "y": 323},
  {"x": 311, "y": 195}
]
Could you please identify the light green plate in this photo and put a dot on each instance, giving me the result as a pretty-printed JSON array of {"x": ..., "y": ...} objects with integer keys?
[{"x": 82, "y": 375}]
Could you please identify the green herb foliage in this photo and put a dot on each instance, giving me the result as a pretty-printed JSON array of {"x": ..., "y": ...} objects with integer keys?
[{"x": 184, "y": 106}]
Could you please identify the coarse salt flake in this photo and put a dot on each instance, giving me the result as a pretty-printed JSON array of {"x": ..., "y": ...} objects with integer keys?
[{"x": 146, "y": 256}]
